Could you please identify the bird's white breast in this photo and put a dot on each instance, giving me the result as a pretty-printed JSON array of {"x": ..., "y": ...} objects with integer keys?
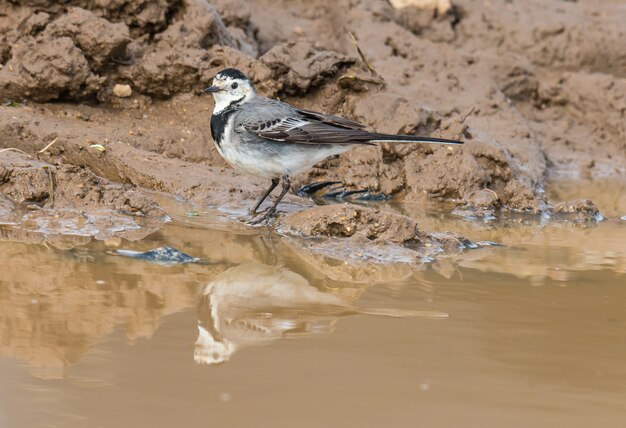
[
  {"x": 271, "y": 159},
  {"x": 242, "y": 158}
]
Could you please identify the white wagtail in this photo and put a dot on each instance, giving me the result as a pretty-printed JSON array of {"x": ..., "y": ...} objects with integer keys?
[{"x": 271, "y": 139}]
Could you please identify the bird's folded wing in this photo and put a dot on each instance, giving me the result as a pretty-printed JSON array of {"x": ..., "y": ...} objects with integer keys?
[
  {"x": 303, "y": 130},
  {"x": 329, "y": 119}
]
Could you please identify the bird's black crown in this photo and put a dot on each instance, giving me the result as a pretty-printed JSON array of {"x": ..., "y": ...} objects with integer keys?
[{"x": 233, "y": 73}]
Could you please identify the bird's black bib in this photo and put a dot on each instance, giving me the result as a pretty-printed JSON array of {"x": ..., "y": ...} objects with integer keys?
[{"x": 219, "y": 121}]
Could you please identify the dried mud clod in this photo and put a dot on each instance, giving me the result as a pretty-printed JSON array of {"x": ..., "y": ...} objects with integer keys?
[
  {"x": 98, "y": 39},
  {"x": 300, "y": 66},
  {"x": 582, "y": 210},
  {"x": 47, "y": 70},
  {"x": 368, "y": 227}
]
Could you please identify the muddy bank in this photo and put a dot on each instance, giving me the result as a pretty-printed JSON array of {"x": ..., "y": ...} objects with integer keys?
[
  {"x": 66, "y": 205},
  {"x": 530, "y": 101}
]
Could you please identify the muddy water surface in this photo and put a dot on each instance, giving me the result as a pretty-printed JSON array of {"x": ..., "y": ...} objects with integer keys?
[{"x": 264, "y": 333}]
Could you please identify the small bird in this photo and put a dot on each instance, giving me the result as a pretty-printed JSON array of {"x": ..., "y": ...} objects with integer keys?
[{"x": 271, "y": 139}]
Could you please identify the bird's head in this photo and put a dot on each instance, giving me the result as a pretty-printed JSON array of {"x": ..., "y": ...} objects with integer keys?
[{"x": 230, "y": 86}]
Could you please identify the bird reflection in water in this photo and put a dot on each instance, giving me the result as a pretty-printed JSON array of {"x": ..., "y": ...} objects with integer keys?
[{"x": 253, "y": 304}]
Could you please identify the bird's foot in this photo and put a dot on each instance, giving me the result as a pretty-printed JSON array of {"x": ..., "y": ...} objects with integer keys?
[
  {"x": 250, "y": 215},
  {"x": 266, "y": 218},
  {"x": 338, "y": 191},
  {"x": 252, "y": 211},
  {"x": 313, "y": 188}
]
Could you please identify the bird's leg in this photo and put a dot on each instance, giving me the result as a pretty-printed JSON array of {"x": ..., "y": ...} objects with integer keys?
[
  {"x": 265, "y": 195},
  {"x": 286, "y": 187},
  {"x": 272, "y": 211}
]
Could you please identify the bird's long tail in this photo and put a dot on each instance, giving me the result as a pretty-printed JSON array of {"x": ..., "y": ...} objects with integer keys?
[
  {"x": 388, "y": 138},
  {"x": 398, "y": 313}
]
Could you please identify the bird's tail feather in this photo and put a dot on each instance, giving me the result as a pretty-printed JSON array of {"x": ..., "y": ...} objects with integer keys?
[
  {"x": 388, "y": 138},
  {"x": 398, "y": 313}
]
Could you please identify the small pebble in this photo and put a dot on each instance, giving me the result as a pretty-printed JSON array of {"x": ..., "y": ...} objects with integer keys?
[
  {"x": 122, "y": 91},
  {"x": 623, "y": 218}
]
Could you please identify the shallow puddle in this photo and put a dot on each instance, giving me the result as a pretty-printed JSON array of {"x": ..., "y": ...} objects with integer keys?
[{"x": 265, "y": 333}]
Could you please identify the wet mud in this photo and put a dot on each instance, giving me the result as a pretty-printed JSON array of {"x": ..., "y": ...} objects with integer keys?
[
  {"x": 535, "y": 90},
  {"x": 86, "y": 329}
]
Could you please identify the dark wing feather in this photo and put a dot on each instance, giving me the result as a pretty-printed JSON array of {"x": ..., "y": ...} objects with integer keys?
[
  {"x": 274, "y": 120},
  {"x": 308, "y": 130},
  {"x": 329, "y": 119}
]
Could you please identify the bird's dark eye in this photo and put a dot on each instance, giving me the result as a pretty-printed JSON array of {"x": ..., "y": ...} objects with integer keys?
[{"x": 234, "y": 85}]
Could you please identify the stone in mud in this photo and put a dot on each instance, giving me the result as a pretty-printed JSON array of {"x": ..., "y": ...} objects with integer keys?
[
  {"x": 122, "y": 91},
  {"x": 441, "y": 6},
  {"x": 161, "y": 255}
]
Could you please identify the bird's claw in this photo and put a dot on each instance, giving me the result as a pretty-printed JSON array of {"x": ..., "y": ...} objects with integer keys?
[
  {"x": 252, "y": 212},
  {"x": 265, "y": 218}
]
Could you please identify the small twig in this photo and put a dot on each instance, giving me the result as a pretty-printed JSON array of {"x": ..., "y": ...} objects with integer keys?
[
  {"x": 492, "y": 191},
  {"x": 468, "y": 114},
  {"x": 13, "y": 149},
  {"x": 360, "y": 79},
  {"x": 51, "y": 185},
  {"x": 48, "y": 146},
  {"x": 122, "y": 61},
  {"x": 367, "y": 64}
]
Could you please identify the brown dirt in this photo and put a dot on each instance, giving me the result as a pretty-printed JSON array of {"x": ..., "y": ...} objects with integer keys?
[
  {"x": 351, "y": 221},
  {"x": 44, "y": 201},
  {"x": 535, "y": 89}
]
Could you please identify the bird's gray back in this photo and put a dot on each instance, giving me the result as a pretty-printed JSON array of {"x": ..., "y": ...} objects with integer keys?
[{"x": 260, "y": 109}]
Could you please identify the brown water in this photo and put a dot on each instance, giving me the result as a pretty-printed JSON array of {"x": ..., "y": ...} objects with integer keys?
[{"x": 536, "y": 333}]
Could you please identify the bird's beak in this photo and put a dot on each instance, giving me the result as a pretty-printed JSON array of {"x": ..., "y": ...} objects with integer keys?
[{"x": 212, "y": 89}]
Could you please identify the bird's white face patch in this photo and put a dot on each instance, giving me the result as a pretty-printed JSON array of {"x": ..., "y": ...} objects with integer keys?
[{"x": 232, "y": 89}]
